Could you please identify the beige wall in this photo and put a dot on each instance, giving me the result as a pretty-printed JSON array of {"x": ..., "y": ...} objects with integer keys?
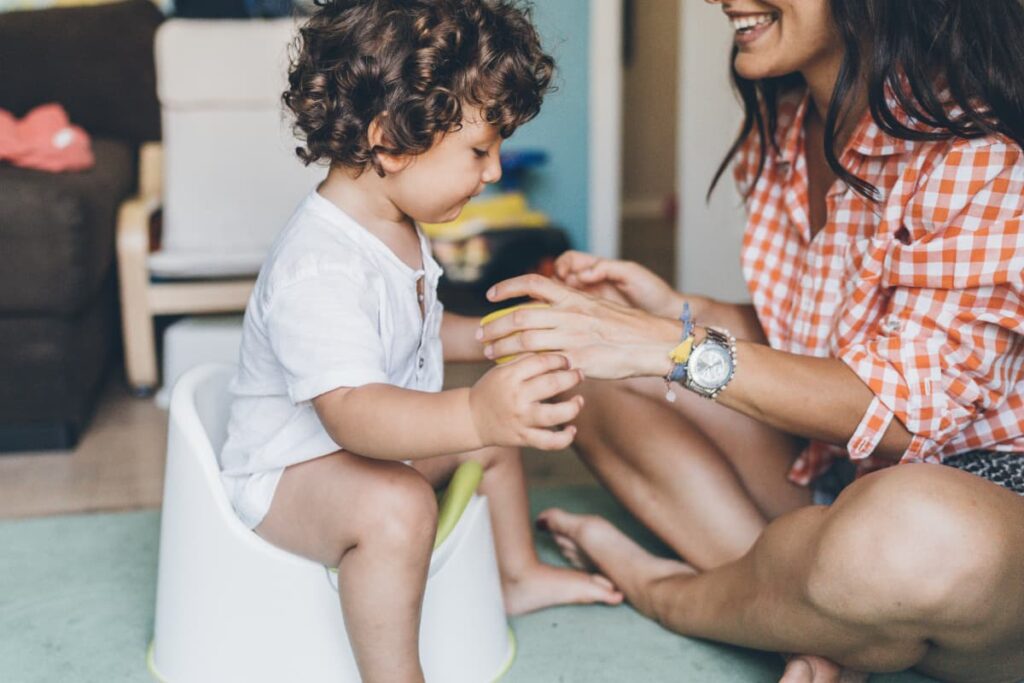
[
  {"x": 650, "y": 103},
  {"x": 709, "y": 235}
]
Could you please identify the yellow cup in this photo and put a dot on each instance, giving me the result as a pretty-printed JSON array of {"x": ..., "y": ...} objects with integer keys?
[{"x": 501, "y": 313}]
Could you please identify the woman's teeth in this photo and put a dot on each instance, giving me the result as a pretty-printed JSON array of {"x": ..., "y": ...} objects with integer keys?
[{"x": 744, "y": 24}]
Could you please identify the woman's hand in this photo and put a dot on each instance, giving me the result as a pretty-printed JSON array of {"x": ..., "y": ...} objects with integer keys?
[
  {"x": 508, "y": 403},
  {"x": 604, "y": 339},
  {"x": 624, "y": 282}
]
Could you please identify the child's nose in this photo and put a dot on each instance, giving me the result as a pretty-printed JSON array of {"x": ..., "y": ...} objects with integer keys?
[{"x": 492, "y": 173}]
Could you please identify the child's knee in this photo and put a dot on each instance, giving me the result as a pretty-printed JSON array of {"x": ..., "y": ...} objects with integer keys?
[{"x": 402, "y": 508}]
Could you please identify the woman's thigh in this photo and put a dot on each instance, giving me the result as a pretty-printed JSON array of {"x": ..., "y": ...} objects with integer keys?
[
  {"x": 667, "y": 473},
  {"x": 760, "y": 455}
]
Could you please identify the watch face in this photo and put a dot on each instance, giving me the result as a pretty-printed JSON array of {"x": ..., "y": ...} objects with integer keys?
[{"x": 711, "y": 365}]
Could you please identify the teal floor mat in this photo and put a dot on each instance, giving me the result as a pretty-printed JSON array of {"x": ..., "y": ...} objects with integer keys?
[{"x": 76, "y": 606}]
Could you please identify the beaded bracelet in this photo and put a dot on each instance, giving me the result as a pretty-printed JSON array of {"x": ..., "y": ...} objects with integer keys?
[{"x": 680, "y": 354}]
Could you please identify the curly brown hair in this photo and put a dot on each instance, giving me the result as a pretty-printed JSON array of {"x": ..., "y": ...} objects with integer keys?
[{"x": 417, "y": 61}]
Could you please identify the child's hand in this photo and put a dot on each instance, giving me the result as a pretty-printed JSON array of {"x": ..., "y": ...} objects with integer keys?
[{"x": 507, "y": 403}]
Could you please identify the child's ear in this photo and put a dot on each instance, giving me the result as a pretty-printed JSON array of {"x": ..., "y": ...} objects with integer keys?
[{"x": 384, "y": 162}]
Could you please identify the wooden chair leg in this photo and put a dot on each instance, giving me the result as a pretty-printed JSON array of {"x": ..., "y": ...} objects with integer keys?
[
  {"x": 140, "y": 364},
  {"x": 136, "y": 316}
]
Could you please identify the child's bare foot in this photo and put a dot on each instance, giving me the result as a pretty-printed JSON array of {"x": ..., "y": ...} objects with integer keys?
[
  {"x": 593, "y": 543},
  {"x": 543, "y": 586}
]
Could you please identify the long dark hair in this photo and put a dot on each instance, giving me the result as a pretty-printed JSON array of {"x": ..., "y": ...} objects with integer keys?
[{"x": 902, "y": 50}]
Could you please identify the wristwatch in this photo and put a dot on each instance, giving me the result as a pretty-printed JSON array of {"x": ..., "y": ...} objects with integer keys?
[{"x": 712, "y": 363}]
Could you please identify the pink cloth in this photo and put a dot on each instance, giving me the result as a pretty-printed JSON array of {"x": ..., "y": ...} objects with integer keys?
[{"x": 44, "y": 140}]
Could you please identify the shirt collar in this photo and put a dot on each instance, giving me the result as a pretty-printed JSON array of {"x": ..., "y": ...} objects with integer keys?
[
  {"x": 431, "y": 268},
  {"x": 868, "y": 139},
  {"x": 792, "y": 143}
]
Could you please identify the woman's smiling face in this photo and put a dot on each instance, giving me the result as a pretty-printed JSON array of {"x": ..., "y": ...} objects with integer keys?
[{"x": 781, "y": 37}]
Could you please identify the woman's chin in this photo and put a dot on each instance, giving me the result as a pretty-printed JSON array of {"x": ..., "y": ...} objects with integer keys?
[{"x": 757, "y": 67}]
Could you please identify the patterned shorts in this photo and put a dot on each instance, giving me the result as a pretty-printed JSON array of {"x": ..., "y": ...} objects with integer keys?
[{"x": 1005, "y": 469}]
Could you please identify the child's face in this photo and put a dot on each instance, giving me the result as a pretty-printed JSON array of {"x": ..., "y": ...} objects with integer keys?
[{"x": 434, "y": 186}]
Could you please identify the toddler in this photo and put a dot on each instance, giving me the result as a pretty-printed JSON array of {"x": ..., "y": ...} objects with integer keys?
[{"x": 339, "y": 429}]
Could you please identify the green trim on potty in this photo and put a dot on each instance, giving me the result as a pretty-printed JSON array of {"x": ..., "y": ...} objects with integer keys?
[
  {"x": 513, "y": 650},
  {"x": 151, "y": 665},
  {"x": 460, "y": 491}
]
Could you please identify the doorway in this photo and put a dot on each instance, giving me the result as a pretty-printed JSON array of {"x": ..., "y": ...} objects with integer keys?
[{"x": 650, "y": 104}]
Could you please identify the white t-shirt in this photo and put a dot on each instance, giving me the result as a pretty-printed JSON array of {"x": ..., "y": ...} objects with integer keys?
[{"x": 333, "y": 307}]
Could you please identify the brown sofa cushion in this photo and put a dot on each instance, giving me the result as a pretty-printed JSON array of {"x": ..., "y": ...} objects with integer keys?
[
  {"x": 52, "y": 365},
  {"x": 97, "y": 61},
  {"x": 57, "y": 231}
]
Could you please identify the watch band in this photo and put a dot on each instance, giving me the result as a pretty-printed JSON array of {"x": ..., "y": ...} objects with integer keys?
[{"x": 722, "y": 338}]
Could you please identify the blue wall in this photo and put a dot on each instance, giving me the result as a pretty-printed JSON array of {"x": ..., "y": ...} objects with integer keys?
[{"x": 561, "y": 129}]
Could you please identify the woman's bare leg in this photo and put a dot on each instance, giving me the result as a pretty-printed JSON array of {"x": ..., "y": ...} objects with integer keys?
[
  {"x": 527, "y": 583},
  {"x": 914, "y": 566},
  {"x": 375, "y": 521},
  {"x": 675, "y": 473}
]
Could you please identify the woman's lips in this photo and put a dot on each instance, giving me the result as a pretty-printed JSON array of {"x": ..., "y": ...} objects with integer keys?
[{"x": 749, "y": 35}]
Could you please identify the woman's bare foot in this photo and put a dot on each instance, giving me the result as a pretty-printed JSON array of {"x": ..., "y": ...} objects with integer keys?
[
  {"x": 593, "y": 543},
  {"x": 813, "y": 669},
  {"x": 543, "y": 586}
]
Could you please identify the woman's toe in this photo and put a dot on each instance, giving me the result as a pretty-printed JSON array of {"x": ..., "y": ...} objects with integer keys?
[{"x": 798, "y": 670}]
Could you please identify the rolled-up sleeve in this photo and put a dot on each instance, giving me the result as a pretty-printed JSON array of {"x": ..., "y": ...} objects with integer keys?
[
  {"x": 950, "y": 346},
  {"x": 324, "y": 330}
]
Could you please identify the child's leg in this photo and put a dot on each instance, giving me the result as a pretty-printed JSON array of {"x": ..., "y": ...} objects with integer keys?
[
  {"x": 527, "y": 583},
  {"x": 375, "y": 521}
]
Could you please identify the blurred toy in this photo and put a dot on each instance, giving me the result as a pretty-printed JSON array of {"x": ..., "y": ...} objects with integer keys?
[{"x": 489, "y": 212}]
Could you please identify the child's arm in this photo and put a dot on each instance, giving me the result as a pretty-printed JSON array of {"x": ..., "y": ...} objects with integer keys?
[
  {"x": 458, "y": 338},
  {"x": 504, "y": 408}
]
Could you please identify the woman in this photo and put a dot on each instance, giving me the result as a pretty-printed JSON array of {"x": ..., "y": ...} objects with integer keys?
[{"x": 882, "y": 167}]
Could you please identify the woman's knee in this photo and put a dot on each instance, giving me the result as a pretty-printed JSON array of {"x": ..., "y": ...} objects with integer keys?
[{"x": 906, "y": 542}]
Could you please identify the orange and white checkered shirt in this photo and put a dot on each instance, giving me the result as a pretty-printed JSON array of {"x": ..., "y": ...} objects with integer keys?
[{"x": 921, "y": 294}]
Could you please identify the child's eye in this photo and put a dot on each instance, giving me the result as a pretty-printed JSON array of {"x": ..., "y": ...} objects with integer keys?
[{"x": 480, "y": 153}]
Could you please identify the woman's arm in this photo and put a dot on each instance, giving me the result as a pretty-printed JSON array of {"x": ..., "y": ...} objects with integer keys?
[
  {"x": 818, "y": 398},
  {"x": 740, "y": 319},
  {"x": 458, "y": 340}
]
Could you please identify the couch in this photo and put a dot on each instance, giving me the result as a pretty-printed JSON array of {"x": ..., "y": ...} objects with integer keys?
[{"x": 58, "y": 286}]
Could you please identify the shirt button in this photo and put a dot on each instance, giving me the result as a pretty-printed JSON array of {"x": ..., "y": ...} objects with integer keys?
[
  {"x": 891, "y": 324},
  {"x": 420, "y": 364}
]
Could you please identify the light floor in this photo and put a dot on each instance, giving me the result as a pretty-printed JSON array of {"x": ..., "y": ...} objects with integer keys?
[{"x": 119, "y": 462}]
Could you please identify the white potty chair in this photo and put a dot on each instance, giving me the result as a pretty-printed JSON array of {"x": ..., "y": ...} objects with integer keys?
[{"x": 231, "y": 607}]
